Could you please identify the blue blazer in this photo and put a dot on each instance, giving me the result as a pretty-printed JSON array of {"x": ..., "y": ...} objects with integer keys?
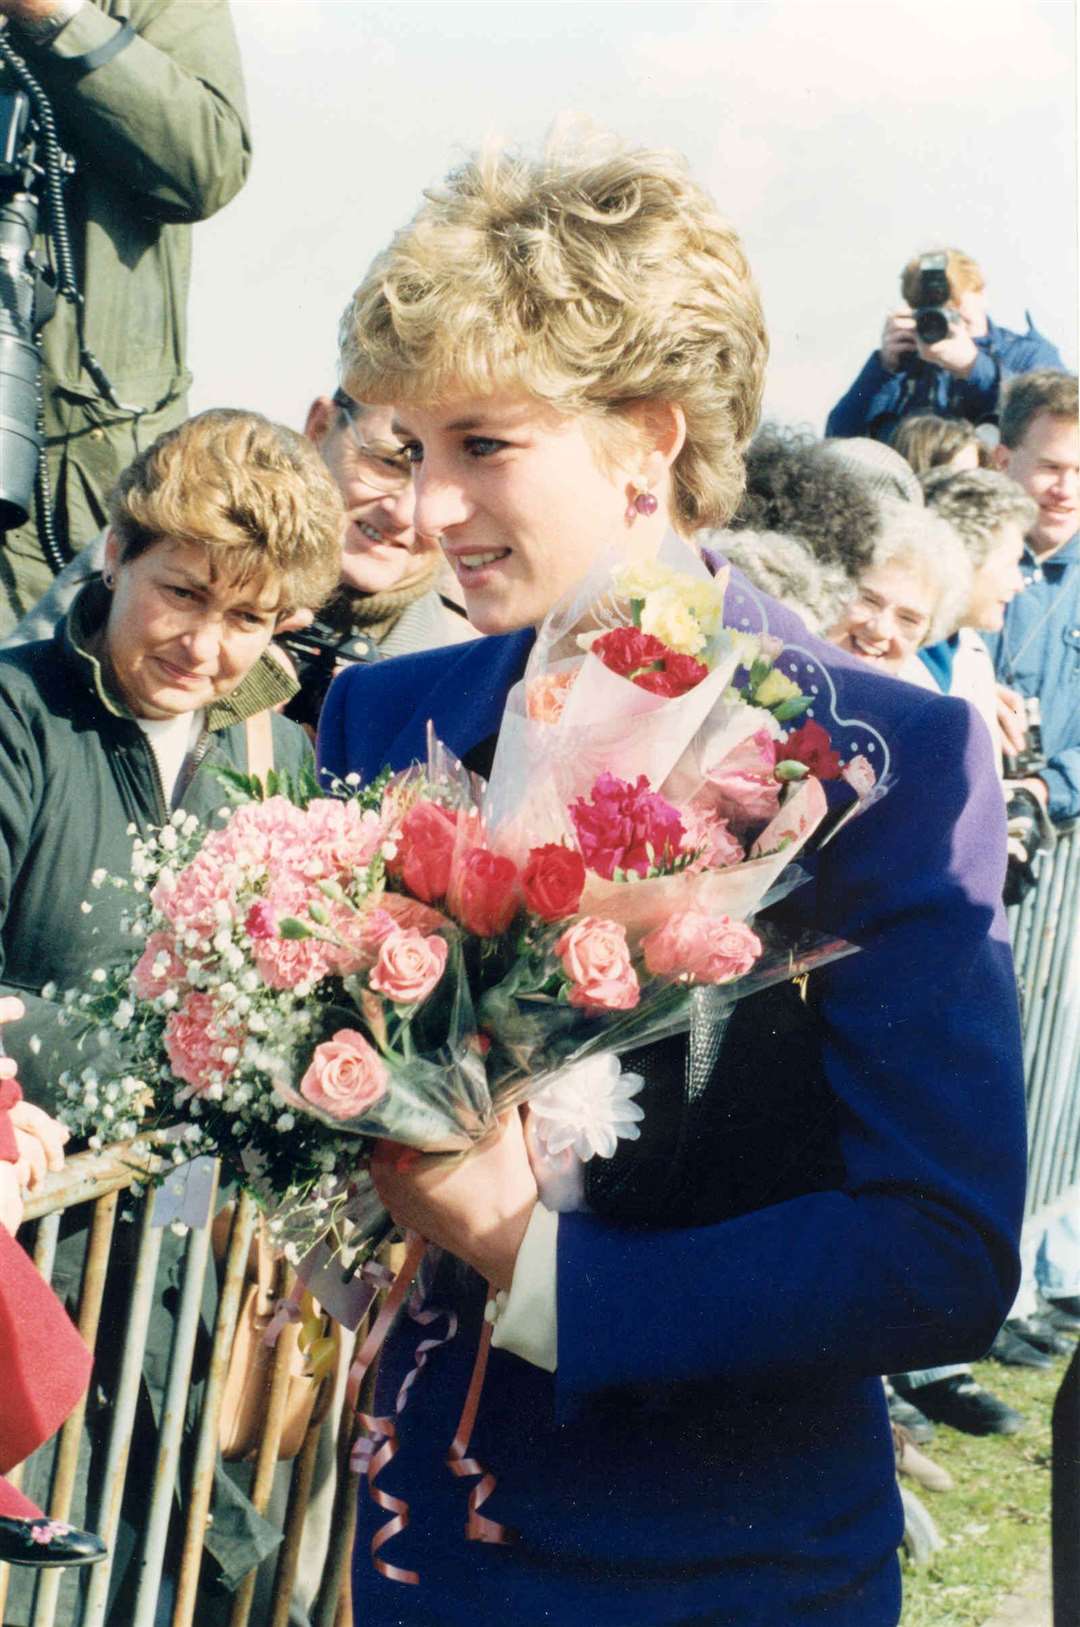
[{"x": 714, "y": 1445}]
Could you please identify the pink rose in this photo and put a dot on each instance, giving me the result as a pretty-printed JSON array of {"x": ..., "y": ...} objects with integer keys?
[
  {"x": 484, "y": 894},
  {"x": 425, "y": 850},
  {"x": 409, "y": 966},
  {"x": 157, "y": 968},
  {"x": 705, "y": 948},
  {"x": 196, "y": 1042},
  {"x": 346, "y": 1076},
  {"x": 596, "y": 958}
]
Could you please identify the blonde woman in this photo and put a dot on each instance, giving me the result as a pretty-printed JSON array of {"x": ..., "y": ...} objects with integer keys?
[{"x": 683, "y": 1410}]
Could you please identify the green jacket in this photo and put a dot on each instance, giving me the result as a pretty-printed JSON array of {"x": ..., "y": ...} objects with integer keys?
[
  {"x": 160, "y": 138},
  {"x": 75, "y": 772}
]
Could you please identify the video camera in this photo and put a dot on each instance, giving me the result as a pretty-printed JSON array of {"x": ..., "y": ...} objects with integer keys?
[{"x": 933, "y": 316}]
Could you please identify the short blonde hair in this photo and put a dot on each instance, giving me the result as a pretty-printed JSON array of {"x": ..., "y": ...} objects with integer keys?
[
  {"x": 256, "y": 495},
  {"x": 596, "y": 278},
  {"x": 929, "y": 442},
  {"x": 964, "y": 274}
]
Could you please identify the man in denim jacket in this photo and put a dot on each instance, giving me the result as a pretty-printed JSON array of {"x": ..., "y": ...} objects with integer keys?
[{"x": 958, "y": 376}]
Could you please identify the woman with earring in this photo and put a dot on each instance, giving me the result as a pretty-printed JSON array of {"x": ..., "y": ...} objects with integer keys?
[
  {"x": 218, "y": 530},
  {"x": 682, "y": 1410}
]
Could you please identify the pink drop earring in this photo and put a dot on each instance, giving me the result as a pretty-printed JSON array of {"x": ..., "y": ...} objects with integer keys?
[{"x": 642, "y": 502}]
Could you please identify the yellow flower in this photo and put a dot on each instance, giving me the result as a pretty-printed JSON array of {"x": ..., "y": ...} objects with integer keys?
[
  {"x": 638, "y": 581},
  {"x": 775, "y": 688},
  {"x": 668, "y": 617}
]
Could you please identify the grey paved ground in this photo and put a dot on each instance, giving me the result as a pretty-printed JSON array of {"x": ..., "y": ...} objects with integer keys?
[{"x": 1030, "y": 1605}]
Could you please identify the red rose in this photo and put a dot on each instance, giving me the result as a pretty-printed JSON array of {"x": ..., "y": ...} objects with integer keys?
[
  {"x": 484, "y": 894},
  {"x": 553, "y": 880},
  {"x": 811, "y": 746},
  {"x": 425, "y": 849}
]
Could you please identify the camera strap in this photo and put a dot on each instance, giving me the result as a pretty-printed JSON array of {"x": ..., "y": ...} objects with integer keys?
[
  {"x": 80, "y": 66},
  {"x": 1013, "y": 656}
]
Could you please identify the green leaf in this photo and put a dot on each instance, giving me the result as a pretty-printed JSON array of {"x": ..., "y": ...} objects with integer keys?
[
  {"x": 293, "y": 930},
  {"x": 795, "y": 707}
]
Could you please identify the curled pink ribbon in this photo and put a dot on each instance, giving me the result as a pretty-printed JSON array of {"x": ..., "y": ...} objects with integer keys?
[{"x": 285, "y": 1311}]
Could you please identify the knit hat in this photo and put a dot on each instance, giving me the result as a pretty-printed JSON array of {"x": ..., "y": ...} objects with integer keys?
[{"x": 880, "y": 467}]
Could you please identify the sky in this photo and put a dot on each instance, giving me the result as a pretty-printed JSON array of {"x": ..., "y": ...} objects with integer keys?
[{"x": 840, "y": 139}]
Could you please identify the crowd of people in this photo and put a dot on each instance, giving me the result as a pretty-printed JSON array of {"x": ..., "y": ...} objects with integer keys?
[{"x": 554, "y": 359}]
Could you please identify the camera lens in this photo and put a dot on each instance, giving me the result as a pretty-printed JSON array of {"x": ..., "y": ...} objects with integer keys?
[{"x": 931, "y": 324}]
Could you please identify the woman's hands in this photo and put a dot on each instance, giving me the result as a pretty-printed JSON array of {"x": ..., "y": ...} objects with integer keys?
[
  {"x": 477, "y": 1207},
  {"x": 39, "y": 1138},
  {"x": 11, "y": 1202}
]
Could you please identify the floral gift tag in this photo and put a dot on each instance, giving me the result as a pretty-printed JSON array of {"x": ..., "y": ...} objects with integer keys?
[
  {"x": 344, "y": 1293},
  {"x": 185, "y": 1196}
]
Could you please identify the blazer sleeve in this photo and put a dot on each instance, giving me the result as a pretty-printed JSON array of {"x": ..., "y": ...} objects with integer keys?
[
  {"x": 166, "y": 117},
  {"x": 911, "y": 1260}
]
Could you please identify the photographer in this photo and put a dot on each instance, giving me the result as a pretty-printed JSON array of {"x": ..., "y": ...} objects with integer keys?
[
  {"x": 148, "y": 99},
  {"x": 940, "y": 353}
]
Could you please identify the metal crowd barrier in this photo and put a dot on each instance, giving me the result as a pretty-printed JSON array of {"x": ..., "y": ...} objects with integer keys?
[
  {"x": 1045, "y": 931},
  {"x": 71, "y": 1598}
]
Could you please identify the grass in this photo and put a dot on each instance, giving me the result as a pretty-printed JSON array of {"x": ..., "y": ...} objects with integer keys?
[{"x": 996, "y": 1523}]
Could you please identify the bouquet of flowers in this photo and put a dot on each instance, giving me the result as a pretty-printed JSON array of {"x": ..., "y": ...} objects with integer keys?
[{"x": 412, "y": 958}]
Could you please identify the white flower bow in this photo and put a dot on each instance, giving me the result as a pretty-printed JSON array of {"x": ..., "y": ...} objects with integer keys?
[{"x": 588, "y": 1107}]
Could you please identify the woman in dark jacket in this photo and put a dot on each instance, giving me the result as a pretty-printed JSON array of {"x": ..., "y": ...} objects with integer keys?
[{"x": 683, "y": 1411}]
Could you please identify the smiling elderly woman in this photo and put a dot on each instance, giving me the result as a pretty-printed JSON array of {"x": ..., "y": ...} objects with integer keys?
[{"x": 217, "y": 531}]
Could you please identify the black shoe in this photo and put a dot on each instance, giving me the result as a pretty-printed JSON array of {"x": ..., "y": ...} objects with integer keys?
[
  {"x": 44, "y": 1542},
  {"x": 906, "y": 1415},
  {"x": 1037, "y": 1332},
  {"x": 1054, "y": 1312},
  {"x": 963, "y": 1404},
  {"x": 1012, "y": 1350},
  {"x": 1069, "y": 1303}
]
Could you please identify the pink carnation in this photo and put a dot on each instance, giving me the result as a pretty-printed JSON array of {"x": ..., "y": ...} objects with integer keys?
[
  {"x": 705, "y": 948},
  {"x": 195, "y": 1042},
  {"x": 743, "y": 788},
  {"x": 346, "y": 1077},
  {"x": 625, "y": 827},
  {"x": 596, "y": 958},
  {"x": 339, "y": 838},
  {"x": 157, "y": 968},
  {"x": 283, "y": 963},
  {"x": 408, "y": 967},
  {"x": 712, "y": 839}
]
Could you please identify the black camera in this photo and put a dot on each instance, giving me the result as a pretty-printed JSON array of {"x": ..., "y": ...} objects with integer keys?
[
  {"x": 318, "y": 651},
  {"x": 933, "y": 318},
  {"x": 1031, "y": 759}
]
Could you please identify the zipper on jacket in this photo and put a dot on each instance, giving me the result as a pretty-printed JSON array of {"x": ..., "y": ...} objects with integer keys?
[{"x": 191, "y": 766}]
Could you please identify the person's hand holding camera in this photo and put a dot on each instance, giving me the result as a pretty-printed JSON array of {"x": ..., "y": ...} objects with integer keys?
[
  {"x": 28, "y": 11},
  {"x": 956, "y": 353},
  {"x": 898, "y": 339}
]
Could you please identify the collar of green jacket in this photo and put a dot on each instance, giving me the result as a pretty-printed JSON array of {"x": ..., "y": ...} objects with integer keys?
[{"x": 266, "y": 685}]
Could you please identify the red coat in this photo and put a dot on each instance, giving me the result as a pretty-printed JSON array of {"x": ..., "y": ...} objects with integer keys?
[{"x": 44, "y": 1364}]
